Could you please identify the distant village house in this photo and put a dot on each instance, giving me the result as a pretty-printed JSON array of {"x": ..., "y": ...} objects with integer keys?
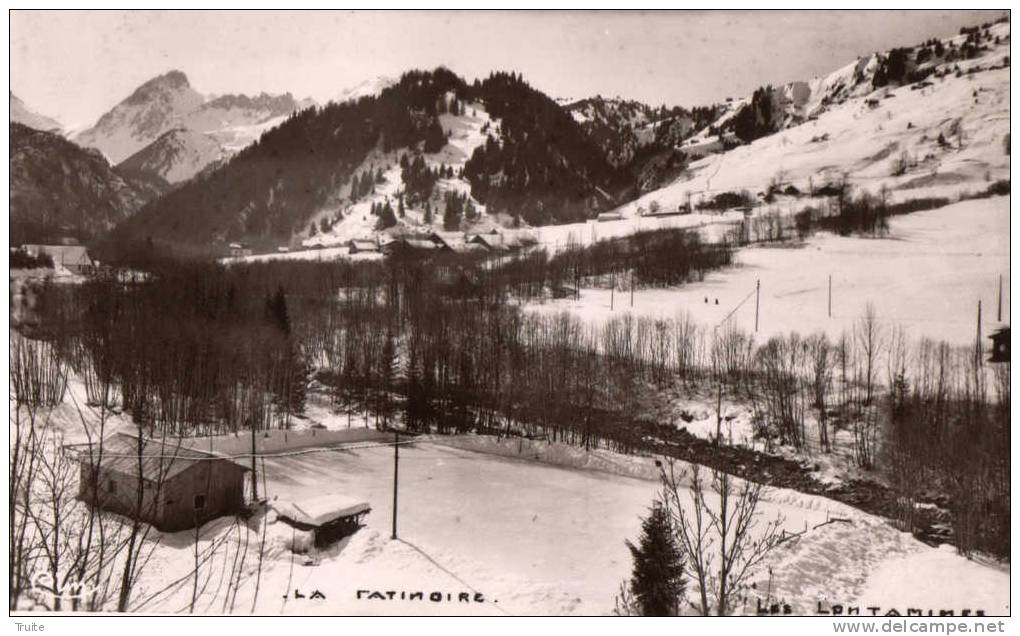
[
  {"x": 362, "y": 246},
  {"x": 239, "y": 249},
  {"x": 74, "y": 258}
]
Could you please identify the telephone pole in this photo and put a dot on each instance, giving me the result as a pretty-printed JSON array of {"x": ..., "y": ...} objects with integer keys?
[
  {"x": 612, "y": 292},
  {"x": 254, "y": 472},
  {"x": 396, "y": 472},
  {"x": 830, "y": 295},
  {"x": 998, "y": 316},
  {"x": 757, "y": 298},
  {"x": 977, "y": 350}
]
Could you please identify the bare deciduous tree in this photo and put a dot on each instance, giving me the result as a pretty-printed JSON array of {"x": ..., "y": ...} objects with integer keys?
[{"x": 716, "y": 520}]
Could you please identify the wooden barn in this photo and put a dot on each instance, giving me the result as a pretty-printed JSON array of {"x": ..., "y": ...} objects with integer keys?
[{"x": 181, "y": 487}]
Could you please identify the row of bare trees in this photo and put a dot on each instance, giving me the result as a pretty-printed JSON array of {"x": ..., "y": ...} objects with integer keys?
[
  {"x": 443, "y": 346},
  {"x": 66, "y": 554}
]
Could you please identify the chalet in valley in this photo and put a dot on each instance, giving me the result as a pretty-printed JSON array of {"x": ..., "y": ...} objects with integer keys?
[
  {"x": 73, "y": 258},
  {"x": 239, "y": 249},
  {"x": 362, "y": 246}
]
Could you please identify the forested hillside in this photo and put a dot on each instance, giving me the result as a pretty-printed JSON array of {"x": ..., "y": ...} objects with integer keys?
[
  {"x": 58, "y": 188},
  {"x": 542, "y": 166},
  {"x": 537, "y": 164}
]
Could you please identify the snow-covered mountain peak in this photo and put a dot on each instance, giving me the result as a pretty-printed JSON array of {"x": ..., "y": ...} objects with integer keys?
[
  {"x": 168, "y": 102},
  {"x": 365, "y": 88}
]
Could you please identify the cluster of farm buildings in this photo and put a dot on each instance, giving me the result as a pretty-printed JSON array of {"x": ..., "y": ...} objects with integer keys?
[{"x": 501, "y": 241}]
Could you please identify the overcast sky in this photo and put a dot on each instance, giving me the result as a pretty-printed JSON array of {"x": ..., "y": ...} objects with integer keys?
[{"x": 76, "y": 65}]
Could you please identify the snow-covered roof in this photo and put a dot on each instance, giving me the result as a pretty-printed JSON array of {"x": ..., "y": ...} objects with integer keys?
[
  {"x": 61, "y": 254},
  {"x": 320, "y": 510},
  {"x": 364, "y": 244},
  {"x": 418, "y": 244},
  {"x": 161, "y": 459},
  {"x": 467, "y": 248},
  {"x": 498, "y": 241}
]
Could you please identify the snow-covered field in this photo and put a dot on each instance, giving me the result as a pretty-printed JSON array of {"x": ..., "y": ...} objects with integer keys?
[
  {"x": 535, "y": 538},
  {"x": 534, "y": 527},
  {"x": 927, "y": 276}
]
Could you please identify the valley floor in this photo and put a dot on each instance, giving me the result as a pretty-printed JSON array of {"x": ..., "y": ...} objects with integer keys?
[
  {"x": 926, "y": 276},
  {"x": 546, "y": 537}
]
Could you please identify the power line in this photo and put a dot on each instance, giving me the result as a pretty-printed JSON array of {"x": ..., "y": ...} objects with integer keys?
[
  {"x": 216, "y": 456},
  {"x": 739, "y": 305}
]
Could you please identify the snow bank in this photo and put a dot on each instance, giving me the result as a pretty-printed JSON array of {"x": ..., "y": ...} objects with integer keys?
[{"x": 937, "y": 578}]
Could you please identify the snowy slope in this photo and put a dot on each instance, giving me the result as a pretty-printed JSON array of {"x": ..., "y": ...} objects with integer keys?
[
  {"x": 22, "y": 114},
  {"x": 532, "y": 538},
  {"x": 534, "y": 527},
  {"x": 927, "y": 276},
  {"x": 234, "y": 138},
  {"x": 357, "y": 221},
  {"x": 177, "y": 155},
  {"x": 152, "y": 109},
  {"x": 866, "y": 133},
  {"x": 365, "y": 88}
]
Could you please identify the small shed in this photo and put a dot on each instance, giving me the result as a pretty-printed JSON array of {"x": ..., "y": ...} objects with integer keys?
[
  {"x": 609, "y": 216},
  {"x": 74, "y": 258},
  {"x": 181, "y": 487},
  {"x": 328, "y": 517},
  {"x": 1000, "y": 345}
]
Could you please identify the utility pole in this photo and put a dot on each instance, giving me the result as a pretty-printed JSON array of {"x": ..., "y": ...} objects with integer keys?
[
  {"x": 998, "y": 316},
  {"x": 254, "y": 474},
  {"x": 978, "y": 343},
  {"x": 396, "y": 467},
  {"x": 977, "y": 351},
  {"x": 612, "y": 291},
  {"x": 757, "y": 298},
  {"x": 830, "y": 295}
]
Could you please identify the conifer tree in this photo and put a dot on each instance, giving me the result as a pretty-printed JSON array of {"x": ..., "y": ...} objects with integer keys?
[
  {"x": 386, "y": 217},
  {"x": 658, "y": 581},
  {"x": 276, "y": 310}
]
